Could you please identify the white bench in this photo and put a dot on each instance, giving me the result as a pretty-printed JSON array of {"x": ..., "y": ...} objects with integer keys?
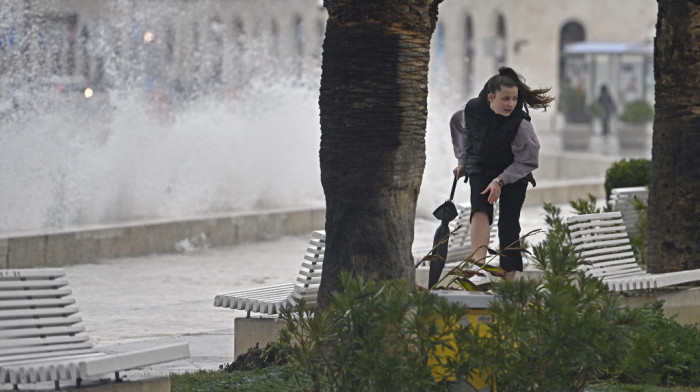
[
  {"x": 272, "y": 299},
  {"x": 602, "y": 241},
  {"x": 460, "y": 245},
  {"x": 42, "y": 338},
  {"x": 622, "y": 199}
]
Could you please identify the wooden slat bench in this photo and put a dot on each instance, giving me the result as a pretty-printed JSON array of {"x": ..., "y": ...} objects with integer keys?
[
  {"x": 272, "y": 299},
  {"x": 622, "y": 199},
  {"x": 602, "y": 241},
  {"x": 42, "y": 338}
]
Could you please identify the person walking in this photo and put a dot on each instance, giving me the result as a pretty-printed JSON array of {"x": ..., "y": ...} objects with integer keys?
[
  {"x": 607, "y": 103},
  {"x": 497, "y": 148}
]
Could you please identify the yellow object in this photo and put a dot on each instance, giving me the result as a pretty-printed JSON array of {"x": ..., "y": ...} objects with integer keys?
[{"x": 478, "y": 380}]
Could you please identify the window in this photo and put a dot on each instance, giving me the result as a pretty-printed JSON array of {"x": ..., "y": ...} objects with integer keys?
[
  {"x": 217, "y": 55},
  {"x": 299, "y": 45},
  {"x": 437, "y": 63},
  {"x": 571, "y": 32},
  {"x": 499, "y": 50},
  {"x": 468, "y": 59}
]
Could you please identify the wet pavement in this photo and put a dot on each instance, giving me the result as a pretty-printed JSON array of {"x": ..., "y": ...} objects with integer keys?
[{"x": 135, "y": 303}]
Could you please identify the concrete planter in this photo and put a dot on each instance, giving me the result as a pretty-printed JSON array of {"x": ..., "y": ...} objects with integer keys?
[
  {"x": 576, "y": 136},
  {"x": 633, "y": 136}
]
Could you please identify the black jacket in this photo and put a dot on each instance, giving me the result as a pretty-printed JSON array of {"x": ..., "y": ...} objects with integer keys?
[{"x": 490, "y": 136}]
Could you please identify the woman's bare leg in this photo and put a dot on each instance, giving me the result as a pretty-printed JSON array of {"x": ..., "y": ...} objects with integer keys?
[{"x": 480, "y": 234}]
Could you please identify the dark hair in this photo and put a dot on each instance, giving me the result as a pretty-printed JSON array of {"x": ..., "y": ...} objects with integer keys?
[{"x": 507, "y": 77}]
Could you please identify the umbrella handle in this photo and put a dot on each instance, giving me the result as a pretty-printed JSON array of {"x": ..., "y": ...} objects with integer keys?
[{"x": 454, "y": 185}]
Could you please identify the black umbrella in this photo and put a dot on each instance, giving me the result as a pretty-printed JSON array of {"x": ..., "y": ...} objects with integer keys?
[{"x": 445, "y": 213}]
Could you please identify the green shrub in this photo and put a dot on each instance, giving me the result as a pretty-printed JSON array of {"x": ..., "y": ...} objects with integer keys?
[
  {"x": 664, "y": 351},
  {"x": 626, "y": 173},
  {"x": 589, "y": 205},
  {"x": 269, "y": 379},
  {"x": 637, "y": 112},
  {"x": 667, "y": 352},
  {"x": 373, "y": 336},
  {"x": 558, "y": 333},
  {"x": 572, "y": 103}
]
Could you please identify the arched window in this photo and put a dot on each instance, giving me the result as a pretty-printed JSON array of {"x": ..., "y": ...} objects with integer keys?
[
  {"x": 299, "y": 35},
  {"x": 439, "y": 45},
  {"x": 239, "y": 52},
  {"x": 238, "y": 33},
  {"x": 275, "y": 31},
  {"x": 196, "y": 56},
  {"x": 169, "y": 44},
  {"x": 321, "y": 30},
  {"x": 85, "y": 56},
  {"x": 440, "y": 42},
  {"x": 468, "y": 59},
  {"x": 571, "y": 32},
  {"x": 218, "y": 51},
  {"x": 499, "y": 50},
  {"x": 316, "y": 43},
  {"x": 299, "y": 45}
]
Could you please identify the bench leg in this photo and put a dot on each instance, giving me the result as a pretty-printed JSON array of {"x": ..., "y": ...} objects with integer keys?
[{"x": 116, "y": 377}]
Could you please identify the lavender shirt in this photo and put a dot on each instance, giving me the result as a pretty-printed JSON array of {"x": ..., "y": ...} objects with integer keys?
[{"x": 525, "y": 147}]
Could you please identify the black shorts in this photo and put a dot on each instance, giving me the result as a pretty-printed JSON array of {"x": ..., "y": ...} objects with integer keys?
[
  {"x": 479, "y": 202},
  {"x": 510, "y": 203}
]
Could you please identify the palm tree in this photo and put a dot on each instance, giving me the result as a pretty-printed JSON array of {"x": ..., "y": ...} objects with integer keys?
[
  {"x": 373, "y": 105},
  {"x": 674, "y": 193}
]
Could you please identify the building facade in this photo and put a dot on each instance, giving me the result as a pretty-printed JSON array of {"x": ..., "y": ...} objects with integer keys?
[
  {"x": 190, "y": 48},
  {"x": 475, "y": 37}
]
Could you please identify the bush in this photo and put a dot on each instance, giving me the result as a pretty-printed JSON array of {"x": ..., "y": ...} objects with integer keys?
[
  {"x": 559, "y": 333},
  {"x": 562, "y": 332},
  {"x": 589, "y": 205},
  {"x": 637, "y": 112},
  {"x": 269, "y": 379},
  {"x": 667, "y": 353},
  {"x": 373, "y": 336},
  {"x": 664, "y": 351},
  {"x": 626, "y": 173},
  {"x": 572, "y": 103}
]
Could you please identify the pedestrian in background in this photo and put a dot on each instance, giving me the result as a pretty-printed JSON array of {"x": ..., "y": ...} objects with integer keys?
[{"x": 607, "y": 103}]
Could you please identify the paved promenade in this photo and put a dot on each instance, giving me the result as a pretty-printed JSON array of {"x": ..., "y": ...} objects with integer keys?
[{"x": 133, "y": 303}]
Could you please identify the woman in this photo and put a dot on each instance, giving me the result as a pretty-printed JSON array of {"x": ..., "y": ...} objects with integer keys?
[{"x": 496, "y": 147}]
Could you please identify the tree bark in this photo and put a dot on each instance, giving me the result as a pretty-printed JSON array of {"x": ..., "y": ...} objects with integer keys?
[
  {"x": 674, "y": 193},
  {"x": 373, "y": 106}
]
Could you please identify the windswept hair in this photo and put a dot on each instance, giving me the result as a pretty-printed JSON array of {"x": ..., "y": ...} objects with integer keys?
[{"x": 507, "y": 77}]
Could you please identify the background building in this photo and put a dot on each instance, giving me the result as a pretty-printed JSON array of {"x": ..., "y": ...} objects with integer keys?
[
  {"x": 117, "y": 110},
  {"x": 475, "y": 37}
]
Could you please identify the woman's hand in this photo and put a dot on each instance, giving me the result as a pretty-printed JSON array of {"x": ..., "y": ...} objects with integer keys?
[
  {"x": 494, "y": 191},
  {"x": 459, "y": 171}
]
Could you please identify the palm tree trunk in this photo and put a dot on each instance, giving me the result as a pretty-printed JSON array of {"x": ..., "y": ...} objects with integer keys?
[
  {"x": 373, "y": 104},
  {"x": 674, "y": 193}
]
